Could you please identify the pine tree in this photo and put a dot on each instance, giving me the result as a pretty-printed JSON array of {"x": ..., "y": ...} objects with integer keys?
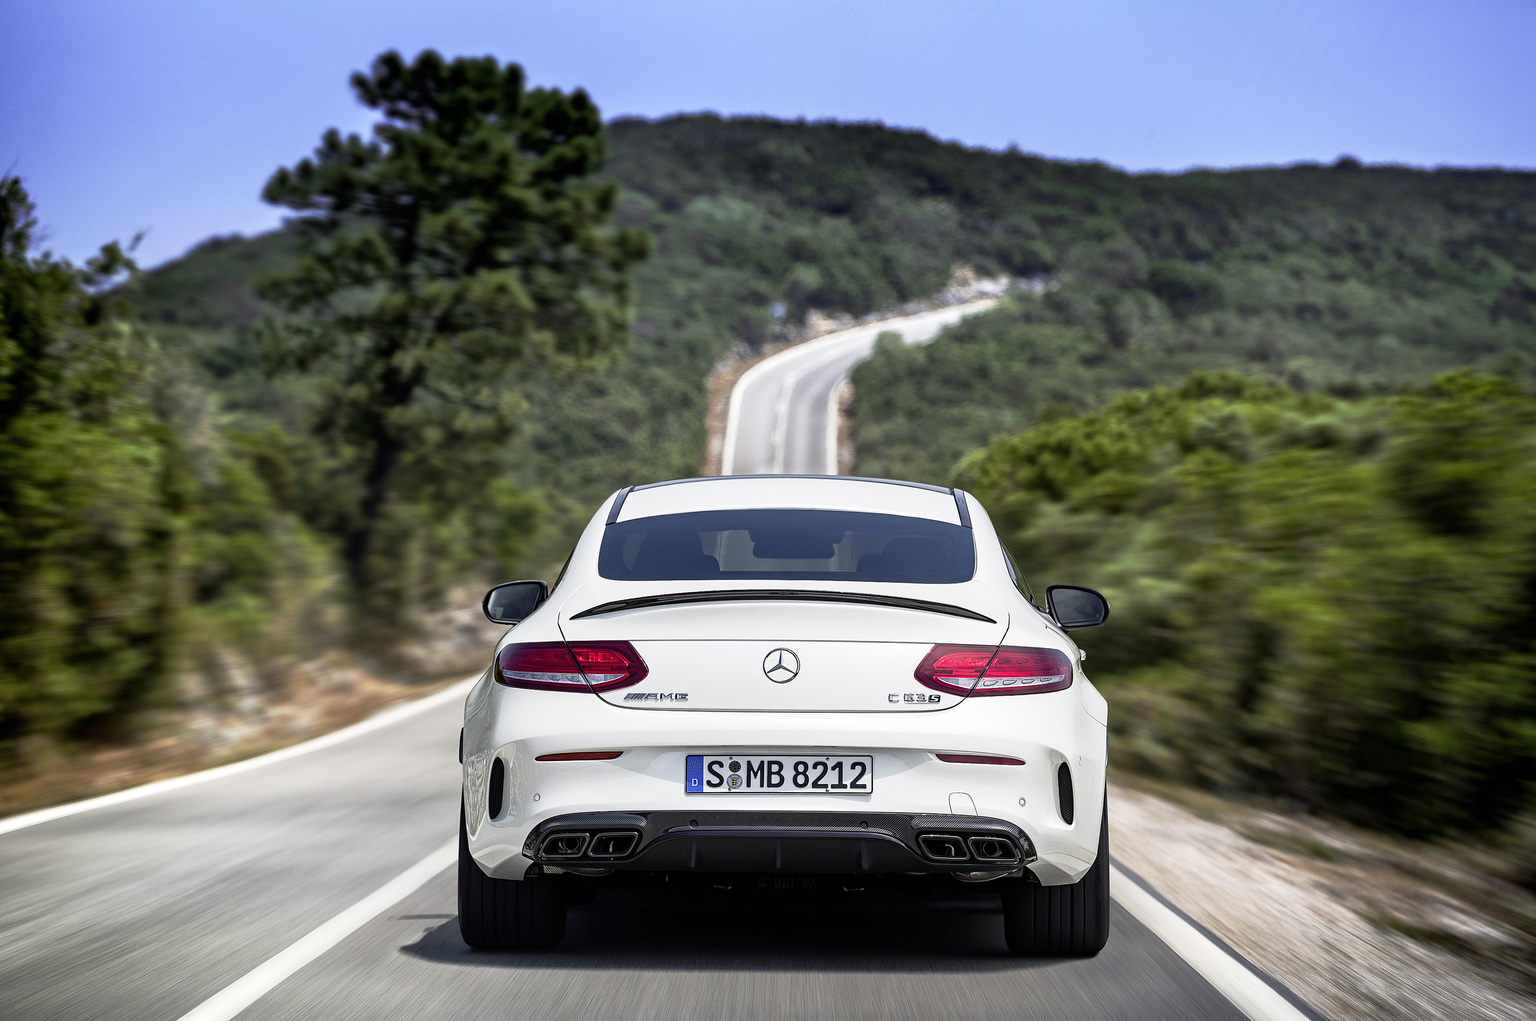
[{"x": 466, "y": 239}]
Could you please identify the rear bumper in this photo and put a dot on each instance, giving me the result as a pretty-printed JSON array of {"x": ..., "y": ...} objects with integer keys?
[
  {"x": 773, "y": 841},
  {"x": 515, "y": 727}
]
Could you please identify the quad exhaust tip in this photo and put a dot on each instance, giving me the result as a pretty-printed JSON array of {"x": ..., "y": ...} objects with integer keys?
[
  {"x": 994, "y": 850},
  {"x": 613, "y": 845},
  {"x": 987, "y": 848},
  {"x": 943, "y": 847},
  {"x": 564, "y": 845},
  {"x": 568, "y": 844}
]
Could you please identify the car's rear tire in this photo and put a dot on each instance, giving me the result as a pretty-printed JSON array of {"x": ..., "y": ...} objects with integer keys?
[
  {"x": 1061, "y": 921},
  {"x": 506, "y": 914}
]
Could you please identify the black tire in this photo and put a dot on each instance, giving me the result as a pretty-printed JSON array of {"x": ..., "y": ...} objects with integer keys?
[
  {"x": 506, "y": 914},
  {"x": 1061, "y": 921}
]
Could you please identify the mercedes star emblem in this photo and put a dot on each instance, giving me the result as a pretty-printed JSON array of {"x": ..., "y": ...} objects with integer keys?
[{"x": 781, "y": 666}]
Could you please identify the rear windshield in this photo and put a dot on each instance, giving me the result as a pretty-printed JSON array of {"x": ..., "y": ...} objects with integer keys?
[{"x": 788, "y": 545}]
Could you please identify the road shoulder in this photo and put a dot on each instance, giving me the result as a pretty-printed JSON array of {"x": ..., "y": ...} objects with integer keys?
[
  {"x": 143, "y": 776},
  {"x": 1333, "y": 918}
]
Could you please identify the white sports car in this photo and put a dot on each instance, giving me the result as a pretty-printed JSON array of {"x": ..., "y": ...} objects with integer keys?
[{"x": 821, "y": 676}]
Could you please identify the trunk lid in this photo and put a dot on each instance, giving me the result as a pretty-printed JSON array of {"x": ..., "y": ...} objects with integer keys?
[{"x": 786, "y": 655}]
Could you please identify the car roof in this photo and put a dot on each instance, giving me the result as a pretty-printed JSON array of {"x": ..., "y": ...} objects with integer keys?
[{"x": 820, "y": 492}]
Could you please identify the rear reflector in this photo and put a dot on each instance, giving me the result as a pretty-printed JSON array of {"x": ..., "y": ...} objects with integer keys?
[
  {"x": 573, "y": 666},
  {"x": 981, "y": 760},
  {"x": 498, "y": 788},
  {"x": 984, "y": 670},
  {"x": 576, "y": 756}
]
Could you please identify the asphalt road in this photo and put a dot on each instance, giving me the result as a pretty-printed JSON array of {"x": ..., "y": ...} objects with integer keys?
[
  {"x": 782, "y": 413},
  {"x": 146, "y": 909}
]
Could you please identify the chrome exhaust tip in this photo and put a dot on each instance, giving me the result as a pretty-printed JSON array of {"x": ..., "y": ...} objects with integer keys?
[
  {"x": 943, "y": 847},
  {"x": 563, "y": 845},
  {"x": 614, "y": 844},
  {"x": 994, "y": 850}
]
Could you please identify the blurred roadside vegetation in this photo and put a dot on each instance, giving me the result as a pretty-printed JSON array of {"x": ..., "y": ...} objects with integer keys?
[
  {"x": 1328, "y": 600},
  {"x": 139, "y": 533}
]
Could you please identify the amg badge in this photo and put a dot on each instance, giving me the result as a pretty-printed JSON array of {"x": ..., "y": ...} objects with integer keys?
[{"x": 656, "y": 696}]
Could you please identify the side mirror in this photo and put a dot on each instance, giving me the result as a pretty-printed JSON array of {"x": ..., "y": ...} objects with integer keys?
[
  {"x": 513, "y": 601},
  {"x": 1075, "y": 607}
]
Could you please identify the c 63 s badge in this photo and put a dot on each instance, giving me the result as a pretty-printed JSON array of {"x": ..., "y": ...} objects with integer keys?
[
  {"x": 656, "y": 696},
  {"x": 910, "y": 697}
]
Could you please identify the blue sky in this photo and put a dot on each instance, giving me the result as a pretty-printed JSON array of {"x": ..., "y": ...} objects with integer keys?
[{"x": 168, "y": 115}]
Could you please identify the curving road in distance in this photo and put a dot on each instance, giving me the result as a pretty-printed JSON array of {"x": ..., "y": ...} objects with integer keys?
[
  {"x": 783, "y": 414},
  {"x": 316, "y": 882}
]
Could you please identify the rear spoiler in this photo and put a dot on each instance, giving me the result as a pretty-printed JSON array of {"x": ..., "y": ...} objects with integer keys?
[{"x": 785, "y": 595}]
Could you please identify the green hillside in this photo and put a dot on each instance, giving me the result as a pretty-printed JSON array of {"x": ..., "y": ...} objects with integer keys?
[
  {"x": 746, "y": 212},
  {"x": 1342, "y": 276},
  {"x": 1338, "y": 278}
]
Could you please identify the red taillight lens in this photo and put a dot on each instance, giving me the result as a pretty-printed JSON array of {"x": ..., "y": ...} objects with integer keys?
[
  {"x": 609, "y": 664},
  {"x": 574, "y": 666},
  {"x": 954, "y": 668},
  {"x": 984, "y": 670}
]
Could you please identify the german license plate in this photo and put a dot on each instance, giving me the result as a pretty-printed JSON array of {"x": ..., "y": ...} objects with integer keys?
[{"x": 779, "y": 774}]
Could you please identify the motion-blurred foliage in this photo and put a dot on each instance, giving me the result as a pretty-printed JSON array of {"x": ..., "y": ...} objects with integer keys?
[
  {"x": 137, "y": 537},
  {"x": 1328, "y": 599}
]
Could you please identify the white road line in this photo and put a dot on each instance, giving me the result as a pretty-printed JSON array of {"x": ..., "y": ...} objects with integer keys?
[
  {"x": 834, "y": 399},
  {"x": 384, "y": 719},
  {"x": 780, "y": 438},
  {"x": 780, "y": 444},
  {"x": 733, "y": 409},
  {"x": 1248, "y": 993},
  {"x": 265, "y": 977}
]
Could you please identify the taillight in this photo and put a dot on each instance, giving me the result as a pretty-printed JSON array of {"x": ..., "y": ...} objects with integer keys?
[
  {"x": 573, "y": 666},
  {"x": 984, "y": 670}
]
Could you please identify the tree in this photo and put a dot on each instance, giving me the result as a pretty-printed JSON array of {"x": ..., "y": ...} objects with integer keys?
[
  {"x": 467, "y": 238},
  {"x": 1186, "y": 288}
]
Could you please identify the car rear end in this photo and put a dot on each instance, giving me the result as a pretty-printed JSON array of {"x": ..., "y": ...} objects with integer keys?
[{"x": 732, "y": 679}]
